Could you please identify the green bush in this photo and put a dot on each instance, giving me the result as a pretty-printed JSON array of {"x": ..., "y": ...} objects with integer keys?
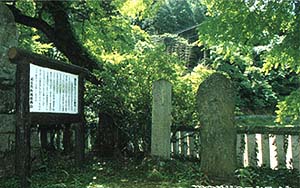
[{"x": 262, "y": 177}]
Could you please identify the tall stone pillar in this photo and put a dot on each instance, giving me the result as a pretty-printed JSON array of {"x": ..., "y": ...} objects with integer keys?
[{"x": 161, "y": 119}]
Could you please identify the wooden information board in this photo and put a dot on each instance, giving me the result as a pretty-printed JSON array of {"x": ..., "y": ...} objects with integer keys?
[
  {"x": 52, "y": 91},
  {"x": 48, "y": 92}
]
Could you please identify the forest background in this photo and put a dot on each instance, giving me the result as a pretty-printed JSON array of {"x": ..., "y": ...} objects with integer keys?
[{"x": 126, "y": 45}]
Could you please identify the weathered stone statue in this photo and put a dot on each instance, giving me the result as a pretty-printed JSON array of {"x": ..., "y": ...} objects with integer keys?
[{"x": 215, "y": 100}]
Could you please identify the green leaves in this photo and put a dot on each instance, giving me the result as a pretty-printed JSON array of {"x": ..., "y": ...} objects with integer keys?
[
  {"x": 266, "y": 177},
  {"x": 179, "y": 17},
  {"x": 289, "y": 109},
  {"x": 247, "y": 24},
  {"x": 127, "y": 91},
  {"x": 235, "y": 29}
]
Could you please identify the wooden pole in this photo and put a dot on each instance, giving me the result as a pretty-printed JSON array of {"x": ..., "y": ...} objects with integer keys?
[
  {"x": 79, "y": 144},
  {"x": 22, "y": 156},
  {"x": 80, "y": 127}
]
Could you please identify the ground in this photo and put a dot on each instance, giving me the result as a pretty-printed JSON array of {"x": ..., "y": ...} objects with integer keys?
[
  {"x": 112, "y": 173},
  {"x": 59, "y": 171}
]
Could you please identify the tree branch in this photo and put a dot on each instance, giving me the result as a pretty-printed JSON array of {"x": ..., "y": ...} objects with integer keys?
[
  {"x": 62, "y": 36},
  {"x": 31, "y": 22}
]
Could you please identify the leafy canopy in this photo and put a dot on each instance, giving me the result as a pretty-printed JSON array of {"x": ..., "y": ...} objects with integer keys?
[
  {"x": 237, "y": 28},
  {"x": 242, "y": 25}
]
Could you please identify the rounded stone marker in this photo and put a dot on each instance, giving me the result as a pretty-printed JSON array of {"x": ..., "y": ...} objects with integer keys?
[{"x": 216, "y": 104}]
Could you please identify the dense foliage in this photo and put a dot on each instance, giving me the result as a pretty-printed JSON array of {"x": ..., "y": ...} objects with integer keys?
[
  {"x": 119, "y": 38},
  {"x": 266, "y": 177},
  {"x": 179, "y": 17},
  {"x": 127, "y": 91},
  {"x": 236, "y": 29},
  {"x": 127, "y": 45},
  {"x": 130, "y": 60}
]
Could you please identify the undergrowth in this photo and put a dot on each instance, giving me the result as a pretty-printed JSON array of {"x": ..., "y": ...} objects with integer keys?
[
  {"x": 267, "y": 177},
  {"x": 60, "y": 172},
  {"x": 107, "y": 173}
]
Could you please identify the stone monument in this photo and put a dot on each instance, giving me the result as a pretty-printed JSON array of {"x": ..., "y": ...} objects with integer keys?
[
  {"x": 215, "y": 102},
  {"x": 161, "y": 119}
]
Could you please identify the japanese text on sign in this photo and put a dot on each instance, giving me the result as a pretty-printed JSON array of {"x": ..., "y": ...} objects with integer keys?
[{"x": 52, "y": 91}]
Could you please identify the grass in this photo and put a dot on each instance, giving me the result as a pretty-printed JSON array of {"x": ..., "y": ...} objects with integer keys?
[
  {"x": 60, "y": 172},
  {"x": 101, "y": 173}
]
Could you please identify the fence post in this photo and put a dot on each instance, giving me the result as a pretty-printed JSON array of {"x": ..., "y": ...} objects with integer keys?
[
  {"x": 184, "y": 146},
  {"x": 296, "y": 151},
  {"x": 176, "y": 144},
  {"x": 161, "y": 119},
  {"x": 240, "y": 147},
  {"x": 266, "y": 150},
  {"x": 281, "y": 153},
  {"x": 191, "y": 144},
  {"x": 215, "y": 101},
  {"x": 252, "y": 156}
]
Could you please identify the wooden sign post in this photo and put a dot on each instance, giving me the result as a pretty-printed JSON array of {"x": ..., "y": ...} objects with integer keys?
[{"x": 48, "y": 92}]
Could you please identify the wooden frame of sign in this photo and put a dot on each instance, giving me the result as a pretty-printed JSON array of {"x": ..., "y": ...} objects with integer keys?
[{"x": 48, "y": 92}]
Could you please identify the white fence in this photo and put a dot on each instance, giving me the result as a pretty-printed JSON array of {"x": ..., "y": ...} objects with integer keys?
[
  {"x": 274, "y": 147},
  {"x": 185, "y": 142},
  {"x": 269, "y": 146}
]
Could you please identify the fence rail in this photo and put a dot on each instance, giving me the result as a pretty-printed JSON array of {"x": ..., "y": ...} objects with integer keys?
[
  {"x": 271, "y": 146},
  {"x": 274, "y": 147}
]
